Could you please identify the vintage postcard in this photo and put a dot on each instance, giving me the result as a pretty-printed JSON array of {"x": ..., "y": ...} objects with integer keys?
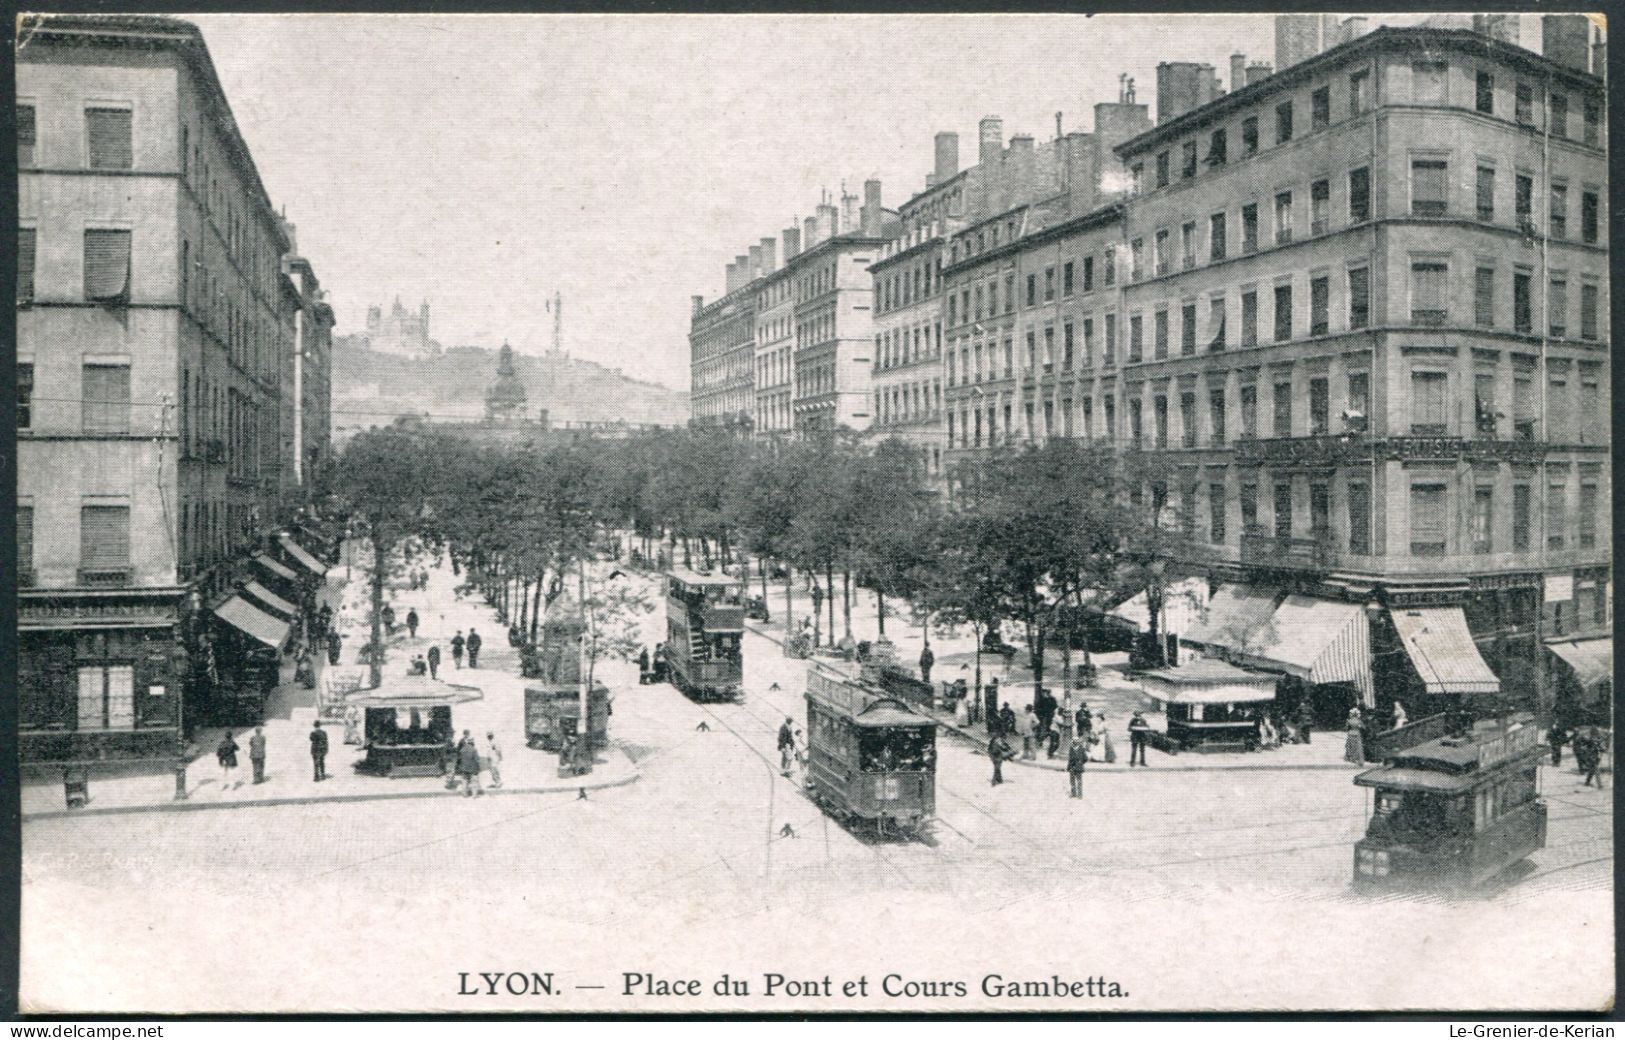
[{"x": 814, "y": 513}]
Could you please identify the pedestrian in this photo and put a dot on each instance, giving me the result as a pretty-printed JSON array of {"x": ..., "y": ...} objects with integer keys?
[
  {"x": 643, "y": 666},
  {"x": 990, "y": 706},
  {"x": 1306, "y": 720},
  {"x": 658, "y": 664},
  {"x": 335, "y": 643},
  {"x": 318, "y": 752},
  {"x": 389, "y": 619},
  {"x": 493, "y": 759},
  {"x": 457, "y": 649},
  {"x": 1267, "y": 737},
  {"x": 1400, "y": 718},
  {"x": 1054, "y": 737},
  {"x": 419, "y": 665},
  {"x": 433, "y": 657},
  {"x": 927, "y": 659},
  {"x": 1030, "y": 729},
  {"x": 1139, "y": 735},
  {"x": 997, "y": 751},
  {"x": 801, "y": 755},
  {"x": 1354, "y": 747},
  {"x": 412, "y": 623},
  {"x": 1067, "y": 719},
  {"x": 1086, "y": 723},
  {"x": 1108, "y": 750},
  {"x": 226, "y": 753},
  {"x": 787, "y": 745},
  {"x": 1557, "y": 736},
  {"x": 468, "y": 765},
  {"x": 473, "y": 644},
  {"x": 1588, "y": 751},
  {"x": 1007, "y": 723},
  {"x": 1076, "y": 755},
  {"x": 256, "y": 754},
  {"x": 1009, "y": 652}
]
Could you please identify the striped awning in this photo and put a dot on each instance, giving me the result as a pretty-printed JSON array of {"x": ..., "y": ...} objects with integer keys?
[
  {"x": 1591, "y": 659},
  {"x": 270, "y": 599},
  {"x": 1321, "y": 640},
  {"x": 1441, "y": 647},
  {"x": 1237, "y": 618},
  {"x": 245, "y": 617},
  {"x": 1182, "y": 606},
  {"x": 275, "y": 568},
  {"x": 301, "y": 557}
]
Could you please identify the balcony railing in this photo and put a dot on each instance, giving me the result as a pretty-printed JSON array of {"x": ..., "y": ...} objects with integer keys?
[{"x": 1262, "y": 547}]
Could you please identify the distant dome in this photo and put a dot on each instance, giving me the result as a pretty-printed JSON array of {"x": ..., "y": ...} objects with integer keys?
[{"x": 507, "y": 398}]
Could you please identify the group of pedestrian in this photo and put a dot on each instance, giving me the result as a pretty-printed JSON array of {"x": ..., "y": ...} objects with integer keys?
[
  {"x": 467, "y": 762},
  {"x": 1589, "y": 744},
  {"x": 792, "y": 748},
  {"x": 652, "y": 667},
  {"x": 459, "y": 644}
]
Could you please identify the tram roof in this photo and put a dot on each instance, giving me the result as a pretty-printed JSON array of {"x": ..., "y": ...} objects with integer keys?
[{"x": 692, "y": 577}]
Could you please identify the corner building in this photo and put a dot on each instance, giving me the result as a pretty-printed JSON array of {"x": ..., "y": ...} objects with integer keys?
[
  {"x": 155, "y": 332},
  {"x": 1364, "y": 316}
]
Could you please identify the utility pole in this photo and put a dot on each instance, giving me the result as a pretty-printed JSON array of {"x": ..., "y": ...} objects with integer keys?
[
  {"x": 584, "y": 760},
  {"x": 558, "y": 322}
]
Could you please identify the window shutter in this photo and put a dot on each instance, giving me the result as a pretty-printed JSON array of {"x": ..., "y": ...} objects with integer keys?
[
  {"x": 106, "y": 398},
  {"x": 107, "y": 265},
  {"x": 92, "y": 686},
  {"x": 25, "y": 263},
  {"x": 104, "y": 537},
  {"x": 108, "y": 132},
  {"x": 25, "y": 135}
]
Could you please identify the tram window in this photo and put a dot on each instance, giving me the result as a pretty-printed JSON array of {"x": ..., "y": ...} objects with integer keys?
[
  {"x": 1388, "y": 801},
  {"x": 903, "y": 750}
]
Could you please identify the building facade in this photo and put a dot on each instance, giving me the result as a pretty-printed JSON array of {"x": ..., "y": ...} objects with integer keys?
[
  {"x": 907, "y": 375},
  {"x": 400, "y": 331},
  {"x": 774, "y": 375},
  {"x": 1364, "y": 322},
  {"x": 154, "y": 336},
  {"x": 722, "y": 357}
]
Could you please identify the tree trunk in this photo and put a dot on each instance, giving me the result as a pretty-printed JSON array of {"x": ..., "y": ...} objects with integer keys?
[
  {"x": 789, "y": 600},
  {"x": 375, "y": 659},
  {"x": 846, "y": 602},
  {"x": 880, "y": 602},
  {"x": 829, "y": 597},
  {"x": 976, "y": 631},
  {"x": 688, "y": 556},
  {"x": 762, "y": 567},
  {"x": 1035, "y": 637},
  {"x": 536, "y": 607}
]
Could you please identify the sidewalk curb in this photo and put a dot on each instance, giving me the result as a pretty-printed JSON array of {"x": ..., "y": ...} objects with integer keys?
[
  {"x": 1094, "y": 767},
  {"x": 193, "y": 805}
]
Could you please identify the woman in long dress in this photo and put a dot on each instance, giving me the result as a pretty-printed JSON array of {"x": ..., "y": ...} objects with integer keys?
[
  {"x": 1354, "y": 748},
  {"x": 1108, "y": 750}
]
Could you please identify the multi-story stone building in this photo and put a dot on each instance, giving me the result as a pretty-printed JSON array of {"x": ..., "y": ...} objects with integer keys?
[
  {"x": 154, "y": 333},
  {"x": 775, "y": 340},
  {"x": 722, "y": 353},
  {"x": 1364, "y": 319}
]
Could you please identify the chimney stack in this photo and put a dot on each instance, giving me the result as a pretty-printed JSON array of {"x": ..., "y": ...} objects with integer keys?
[
  {"x": 850, "y": 216},
  {"x": 1238, "y": 72},
  {"x": 870, "y": 215},
  {"x": 809, "y": 233},
  {"x": 990, "y": 139},
  {"x": 770, "y": 254},
  {"x": 1259, "y": 71},
  {"x": 1566, "y": 40},
  {"x": 828, "y": 221},
  {"x": 755, "y": 263},
  {"x": 742, "y": 273},
  {"x": 730, "y": 279},
  {"x": 947, "y": 156},
  {"x": 792, "y": 241},
  {"x": 698, "y": 302}
]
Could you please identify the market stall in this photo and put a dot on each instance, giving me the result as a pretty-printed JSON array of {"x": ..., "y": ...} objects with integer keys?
[
  {"x": 407, "y": 724},
  {"x": 1210, "y": 704}
]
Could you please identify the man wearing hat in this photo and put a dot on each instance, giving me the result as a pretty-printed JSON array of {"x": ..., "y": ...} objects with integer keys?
[
  {"x": 1139, "y": 734},
  {"x": 787, "y": 746}
]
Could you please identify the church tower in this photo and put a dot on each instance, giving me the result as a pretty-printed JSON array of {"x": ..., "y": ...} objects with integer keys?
[{"x": 506, "y": 400}]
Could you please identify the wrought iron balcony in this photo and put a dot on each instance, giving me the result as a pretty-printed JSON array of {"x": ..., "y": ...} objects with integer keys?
[{"x": 1261, "y": 547}]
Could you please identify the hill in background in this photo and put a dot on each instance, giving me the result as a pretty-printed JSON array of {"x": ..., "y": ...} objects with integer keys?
[{"x": 370, "y": 388}]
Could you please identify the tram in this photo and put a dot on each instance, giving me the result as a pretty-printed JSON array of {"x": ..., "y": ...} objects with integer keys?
[
  {"x": 705, "y": 622},
  {"x": 872, "y": 761},
  {"x": 1455, "y": 812}
]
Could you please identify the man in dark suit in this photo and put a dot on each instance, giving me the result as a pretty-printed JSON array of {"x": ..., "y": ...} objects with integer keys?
[
  {"x": 1076, "y": 756},
  {"x": 927, "y": 659},
  {"x": 473, "y": 644},
  {"x": 318, "y": 751},
  {"x": 1306, "y": 720},
  {"x": 1139, "y": 735}
]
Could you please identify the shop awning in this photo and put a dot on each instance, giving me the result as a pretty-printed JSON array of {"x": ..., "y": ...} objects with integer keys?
[
  {"x": 1442, "y": 649},
  {"x": 1321, "y": 640},
  {"x": 275, "y": 568},
  {"x": 303, "y": 558},
  {"x": 270, "y": 599},
  {"x": 1591, "y": 659},
  {"x": 244, "y": 616},
  {"x": 1237, "y": 618},
  {"x": 1205, "y": 681},
  {"x": 1182, "y": 606}
]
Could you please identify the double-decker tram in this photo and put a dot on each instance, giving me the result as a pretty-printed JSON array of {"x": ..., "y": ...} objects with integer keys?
[
  {"x": 872, "y": 761},
  {"x": 705, "y": 622},
  {"x": 1456, "y": 812}
]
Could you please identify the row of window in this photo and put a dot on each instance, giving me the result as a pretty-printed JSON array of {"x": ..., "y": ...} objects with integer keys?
[
  {"x": 908, "y": 403},
  {"x": 1573, "y": 405},
  {"x": 905, "y": 346},
  {"x": 920, "y": 280}
]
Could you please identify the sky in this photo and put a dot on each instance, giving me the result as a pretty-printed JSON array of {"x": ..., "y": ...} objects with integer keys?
[{"x": 484, "y": 162}]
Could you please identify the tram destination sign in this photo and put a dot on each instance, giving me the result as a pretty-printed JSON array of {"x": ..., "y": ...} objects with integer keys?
[{"x": 1511, "y": 743}]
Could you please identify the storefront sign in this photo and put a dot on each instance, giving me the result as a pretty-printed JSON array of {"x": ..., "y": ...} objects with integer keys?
[{"x": 1559, "y": 588}]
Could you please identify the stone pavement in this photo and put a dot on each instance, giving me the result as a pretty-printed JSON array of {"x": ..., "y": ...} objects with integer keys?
[{"x": 291, "y": 710}]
